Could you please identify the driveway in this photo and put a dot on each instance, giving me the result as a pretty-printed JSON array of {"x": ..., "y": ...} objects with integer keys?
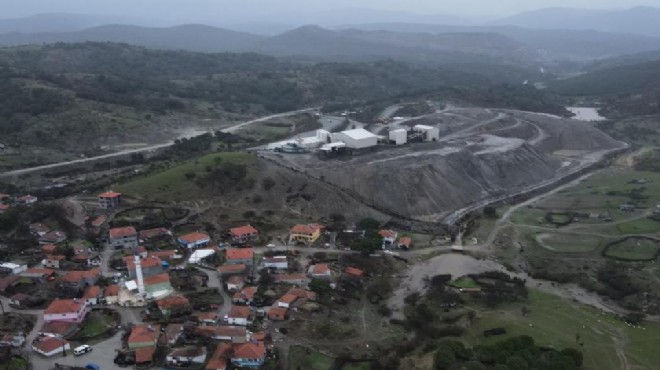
[{"x": 102, "y": 355}]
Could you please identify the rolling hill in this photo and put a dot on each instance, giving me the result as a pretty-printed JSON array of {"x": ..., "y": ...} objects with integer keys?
[{"x": 637, "y": 20}]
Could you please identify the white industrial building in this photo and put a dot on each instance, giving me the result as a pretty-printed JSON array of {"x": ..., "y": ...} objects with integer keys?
[
  {"x": 399, "y": 136},
  {"x": 430, "y": 133},
  {"x": 323, "y": 136},
  {"x": 356, "y": 139}
]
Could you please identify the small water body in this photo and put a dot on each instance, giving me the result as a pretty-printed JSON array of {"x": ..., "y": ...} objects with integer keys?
[{"x": 586, "y": 114}]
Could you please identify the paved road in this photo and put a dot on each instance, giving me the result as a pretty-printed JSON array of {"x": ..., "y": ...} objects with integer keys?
[{"x": 146, "y": 148}]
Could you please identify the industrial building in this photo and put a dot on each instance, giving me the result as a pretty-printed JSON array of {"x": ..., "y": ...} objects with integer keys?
[
  {"x": 356, "y": 139},
  {"x": 399, "y": 137},
  {"x": 429, "y": 133}
]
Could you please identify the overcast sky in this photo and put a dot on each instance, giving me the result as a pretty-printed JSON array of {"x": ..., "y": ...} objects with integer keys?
[{"x": 191, "y": 10}]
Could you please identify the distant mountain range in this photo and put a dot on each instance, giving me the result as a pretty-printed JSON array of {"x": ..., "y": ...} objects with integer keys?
[{"x": 638, "y": 20}]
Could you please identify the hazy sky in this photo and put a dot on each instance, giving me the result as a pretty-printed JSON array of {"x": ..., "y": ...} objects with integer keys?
[{"x": 190, "y": 10}]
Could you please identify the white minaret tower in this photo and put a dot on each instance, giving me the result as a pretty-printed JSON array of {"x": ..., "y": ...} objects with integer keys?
[{"x": 138, "y": 275}]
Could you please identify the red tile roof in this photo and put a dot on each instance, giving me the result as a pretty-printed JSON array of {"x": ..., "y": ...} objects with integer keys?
[
  {"x": 100, "y": 220},
  {"x": 228, "y": 269},
  {"x": 61, "y": 306},
  {"x": 152, "y": 233},
  {"x": 55, "y": 257},
  {"x": 243, "y": 230},
  {"x": 246, "y": 293},
  {"x": 157, "y": 279},
  {"x": 288, "y": 298},
  {"x": 250, "y": 350},
  {"x": 76, "y": 276},
  {"x": 320, "y": 269},
  {"x": 57, "y": 327},
  {"x": 302, "y": 293},
  {"x": 110, "y": 194},
  {"x": 388, "y": 234},
  {"x": 120, "y": 232},
  {"x": 49, "y": 249},
  {"x": 144, "y": 333},
  {"x": 37, "y": 270},
  {"x": 92, "y": 292},
  {"x": 405, "y": 241},
  {"x": 144, "y": 262},
  {"x": 277, "y": 313},
  {"x": 219, "y": 358},
  {"x": 239, "y": 312},
  {"x": 112, "y": 290},
  {"x": 163, "y": 255},
  {"x": 354, "y": 271},
  {"x": 221, "y": 331},
  {"x": 305, "y": 229},
  {"x": 239, "y": 253},
  {"x": 145, "y": 354},
  {"x": 172, "y": 301},
  {"x": 194, "y": 237},
  {"x": 207, "y": 316},
  {"x": 49, "y": 344}
]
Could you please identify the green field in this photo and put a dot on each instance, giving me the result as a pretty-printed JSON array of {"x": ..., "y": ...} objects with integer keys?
[
  {"x": 641, "y": 226},
  {"x": 569, "y": 243},
  {"x": 96, "y": 323},
  {"x": 557, "y": 322},
  {"x": 464, "y": 282},
  {"x": 633, "y": 250},
  {"x": 357, "y": 366},
  {"x": 308, "y": 359},
  {"x": 172, "y": 183}
]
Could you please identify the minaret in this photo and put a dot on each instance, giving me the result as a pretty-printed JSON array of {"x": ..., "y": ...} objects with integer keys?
[{"x": 138, "y": 275}]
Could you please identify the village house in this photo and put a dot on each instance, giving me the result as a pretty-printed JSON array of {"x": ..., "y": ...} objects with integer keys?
[
  {"x": 174, "y": 305},
  {"x": 81, "y": 279},
  {"x": 53, "y": 261},
  {"x": 109, "y": 200},
  {"x": 50, "y": 346},
  {"x": 276, "y": 262},
  {"x": 249, "y": 355},
  {"x": 286, "y": 300},
  {"x": 19, "y": 300},
  {"x": 144, "y": 335},
  {"x": 208, "y": 318},
  {"x": 235, "y": 283},
  {"x": 236, "y": 256},
  {"x": 405, "y": 243},
  {"x": 26, "y": 200},
  {"x": 157, "y": 235},
  {"x": 389, "y": 237},
  {"x": 353, "y": 273},
  {"x": 171, "y": 334},
  {"x": 150, "y": 266},
  {"x": 92, "y": 295},
  {"x": 220, "y": 357},
  {"x": 68, "y": 310},
  {"x": 305, "y": 294},
  {"x": 123, "y": 237},
  {"x": 186, "y": 356},
  {"x": 166, "y": 255},
  {"x": 320, "y": 271},
  {"x": 49, "y": 249},
  {"x": 144, "y": 357},
  {"x": 194, "y": 240},
  {"x": 38, "y": 275},
  {"x": 293, "y": 279},
  {"x": 245, "y": 295},
  {"x": 158, "y": 285},
  {"x": 234, "y": 334},
  {"x": 238, "y": 315},
  {"x": 53, "y": 237},
  {"x": 38, "y": 229},
  {"x": 277, "y": 313},
  {"x": 59, "y": 329},
  {"x": 97, "y": 222},
  {"x": 111, "y": 294},
  {"x": 230, "y": 270},
  {"x": 243, "y": 234},
  {"x": 305, "y": 233}
]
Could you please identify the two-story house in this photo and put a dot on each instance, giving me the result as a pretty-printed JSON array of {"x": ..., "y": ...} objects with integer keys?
[
  {"x": 67, "y": 310},
  {"x": 249, "y": 355},
  {"x": 123, "y": 237},
  {"x": 243, "y": 234},
  {"x": 305, "y": 233}
]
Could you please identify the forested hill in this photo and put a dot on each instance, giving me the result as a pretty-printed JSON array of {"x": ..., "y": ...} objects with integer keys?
[{"x": 99, "y": 89}]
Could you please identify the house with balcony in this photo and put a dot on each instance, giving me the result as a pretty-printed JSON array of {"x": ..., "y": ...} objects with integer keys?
[
  {"x": 251, "y": 355},
  {"x": 243, "y": 234},
  {"x": 305, "y": 233},
  {"x": 123, "y": 237}
]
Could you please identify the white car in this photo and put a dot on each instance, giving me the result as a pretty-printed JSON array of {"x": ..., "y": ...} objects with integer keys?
[
  {"x": 270, "y": 245},
  {"x": 81, "y": 350}
]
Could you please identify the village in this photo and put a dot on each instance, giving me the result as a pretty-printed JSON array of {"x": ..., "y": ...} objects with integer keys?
[{"x": 152, "y": 297}]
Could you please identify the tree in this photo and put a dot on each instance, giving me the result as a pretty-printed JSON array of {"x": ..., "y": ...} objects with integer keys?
[
  {"x": 368, "y": 224},
  {"x": 268, "y": 183},
  {"x": 320, "y": 286},
  {"x": 575, "y": 355},
  {"x": 490, "y": 212},
  {"x": 444, "y": 358}
]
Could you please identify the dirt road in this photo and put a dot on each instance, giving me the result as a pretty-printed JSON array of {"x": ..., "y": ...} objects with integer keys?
[{"x": 149, "y": 148}]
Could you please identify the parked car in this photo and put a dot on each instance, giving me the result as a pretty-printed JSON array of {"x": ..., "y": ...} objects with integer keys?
[{"x": 81, "y": 350}]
